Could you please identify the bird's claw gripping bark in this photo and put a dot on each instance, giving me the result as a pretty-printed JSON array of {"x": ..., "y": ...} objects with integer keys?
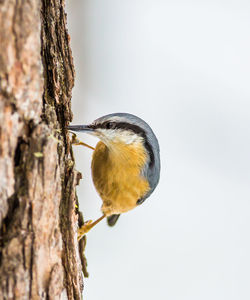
[
  {"x": 76, "y": 142},
  {"x": 84, "y": 229}
]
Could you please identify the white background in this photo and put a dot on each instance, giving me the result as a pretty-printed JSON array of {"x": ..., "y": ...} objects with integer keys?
[{"x": 184, "y": 67}]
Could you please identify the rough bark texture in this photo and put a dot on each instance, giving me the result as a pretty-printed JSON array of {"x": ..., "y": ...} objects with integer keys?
[{"x": 39, "y": 253}]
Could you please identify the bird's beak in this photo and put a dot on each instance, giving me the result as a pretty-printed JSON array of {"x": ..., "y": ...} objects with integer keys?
[{"x": 80, "y": 128}]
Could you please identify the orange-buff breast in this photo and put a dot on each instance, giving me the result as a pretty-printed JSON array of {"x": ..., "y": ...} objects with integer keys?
[{"x": 116, "y": 173}]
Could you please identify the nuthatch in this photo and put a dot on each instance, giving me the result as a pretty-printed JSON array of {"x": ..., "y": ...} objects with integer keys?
[{"x": 125, "y": 163}]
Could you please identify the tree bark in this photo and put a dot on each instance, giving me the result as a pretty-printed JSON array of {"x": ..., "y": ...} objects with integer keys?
[{"x": 39, "y": 252}]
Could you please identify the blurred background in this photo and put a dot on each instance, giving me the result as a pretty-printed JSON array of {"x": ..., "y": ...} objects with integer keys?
[{"x": 184, "y": 67}]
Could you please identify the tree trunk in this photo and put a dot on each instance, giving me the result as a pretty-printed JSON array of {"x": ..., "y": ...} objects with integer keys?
[{"x": 39, "y": 252}]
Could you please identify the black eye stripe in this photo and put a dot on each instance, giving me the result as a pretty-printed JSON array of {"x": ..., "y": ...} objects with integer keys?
[
  {"x": 134, "y": 128},
  {"x": 121, "y": 125}
]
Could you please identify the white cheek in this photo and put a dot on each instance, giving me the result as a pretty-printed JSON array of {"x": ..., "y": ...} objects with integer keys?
[
  {"x": 127, "y": 138},
  {"x": 118, "y": 135},
  {"x": 106, "y": 135}
]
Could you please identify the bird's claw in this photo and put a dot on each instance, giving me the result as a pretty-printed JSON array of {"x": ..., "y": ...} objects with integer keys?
[
  {"x": 74, "y": 139},
  {"x": 76, "y": 142},
  {"x": 84, "y": 229}
]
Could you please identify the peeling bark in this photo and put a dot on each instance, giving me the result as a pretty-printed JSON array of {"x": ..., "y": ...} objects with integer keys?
[{"x": 39, "y": 252}]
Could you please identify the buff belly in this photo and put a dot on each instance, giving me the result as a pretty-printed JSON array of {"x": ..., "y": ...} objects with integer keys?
[{"x": 116, "y": 176}]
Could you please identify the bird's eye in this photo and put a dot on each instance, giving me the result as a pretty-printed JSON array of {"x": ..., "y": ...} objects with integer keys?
[{"x": 110, "y": 125}]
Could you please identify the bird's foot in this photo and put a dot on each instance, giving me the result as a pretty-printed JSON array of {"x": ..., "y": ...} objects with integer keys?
[
  {"x": 84, "y": 229},
  {"x": 76, "y": 142},
  {"x": 87, "y": 226},
  {"x": 74, "y": 139}
]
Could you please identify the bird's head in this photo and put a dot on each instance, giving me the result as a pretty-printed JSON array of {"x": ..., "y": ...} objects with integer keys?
[{"x": 119, "y": 128}]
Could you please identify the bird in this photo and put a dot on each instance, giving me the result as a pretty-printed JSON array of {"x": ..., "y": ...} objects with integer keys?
[{"x": 125, "y": 164}]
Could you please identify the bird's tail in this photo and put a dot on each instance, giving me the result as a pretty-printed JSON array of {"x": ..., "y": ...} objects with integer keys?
[{"x": 112, "y": 219}]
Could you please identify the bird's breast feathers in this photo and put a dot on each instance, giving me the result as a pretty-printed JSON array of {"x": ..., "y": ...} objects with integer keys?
[{"x": 116, "y": 173}]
